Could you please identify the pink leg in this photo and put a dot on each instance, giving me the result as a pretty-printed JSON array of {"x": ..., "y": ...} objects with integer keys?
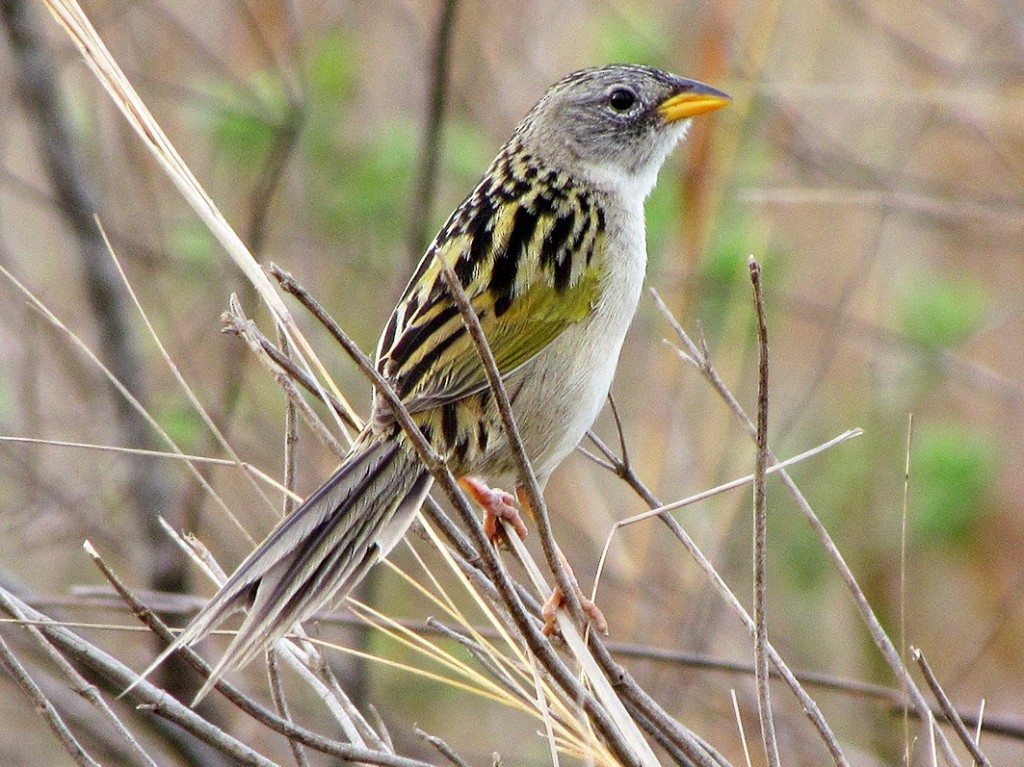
[
  {"x": 497, "y": 505},
  {"x": 557, "y": 599}
]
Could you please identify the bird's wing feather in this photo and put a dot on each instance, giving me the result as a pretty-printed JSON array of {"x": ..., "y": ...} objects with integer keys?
[{"x": 529, "y": 269}]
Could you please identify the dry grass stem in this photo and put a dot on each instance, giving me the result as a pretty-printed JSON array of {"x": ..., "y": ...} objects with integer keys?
[
  {"x": 183, "y": 385},
  {"x": 615, "y": 465},
  {"x": 739, "y": 726},
  {"x": 44, "y": 707},
  {"x": 84, "y": 349},
  {"x": 761, "y": 675},
  {"x": 70, "y": 15},
  {"x": 888, "y": 650},
  {"x": 249, "y": 468},
  {"x": 948, "y": 710}
]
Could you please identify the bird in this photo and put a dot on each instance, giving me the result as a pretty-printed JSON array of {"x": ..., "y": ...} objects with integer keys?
[{"x": 550, "y": 248}]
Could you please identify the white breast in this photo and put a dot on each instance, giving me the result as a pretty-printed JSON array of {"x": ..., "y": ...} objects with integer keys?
[{"x": 567, "y": 385}]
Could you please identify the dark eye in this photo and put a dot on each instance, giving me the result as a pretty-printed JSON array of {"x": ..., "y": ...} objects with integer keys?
[{"x": 622, "y": 99}]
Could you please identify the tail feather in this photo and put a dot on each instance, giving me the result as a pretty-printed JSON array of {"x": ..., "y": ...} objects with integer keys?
[{"x": 316, "y": 554}]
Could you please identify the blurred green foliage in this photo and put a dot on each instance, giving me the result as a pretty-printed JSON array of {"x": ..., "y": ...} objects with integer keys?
[
  {"x": 333, "y": 71},
  {"x": 357, "y": 176},
  {"x": 180, "y": 420},
  {"x": 952, "y": 469},
  {"x": 362, "y": 191},
  {"x": 827, "y": 479},
  {"x": 941, "y": 313},
  {"x": 630, "y": 40},
  {"x": 245, "y": 127},
  {"x": 723, "y": 276},
  {"x": 191, "y": 240}
]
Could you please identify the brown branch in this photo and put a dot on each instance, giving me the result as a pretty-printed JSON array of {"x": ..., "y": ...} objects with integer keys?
[
  {"x": 148, "y": 485},
  {"x": 44, "y": 707},
  {"x": 761, "y": 676},
  {"x": 443, "y": 748},
  {"x": 430, "y": 149},
  {"x": 119, "y": 676},
  {"x": 438, "y": 469},
  {"x": 700, "y": 359},
  {"x": 245, "y": 703},
  {"x": 281, "y": 704},
  {"x": 948, "y": 711}
]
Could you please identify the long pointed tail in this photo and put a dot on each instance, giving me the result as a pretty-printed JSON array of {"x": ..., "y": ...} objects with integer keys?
[{"x": 314, "y": 555}]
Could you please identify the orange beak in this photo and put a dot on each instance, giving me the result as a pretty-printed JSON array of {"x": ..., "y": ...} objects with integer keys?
[{"x": 693, "y": 99}]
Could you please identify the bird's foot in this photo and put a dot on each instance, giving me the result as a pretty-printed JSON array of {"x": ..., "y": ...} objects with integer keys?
[
  {"x": 557, "y": 599},
  {"x": 497, "y": 505}
]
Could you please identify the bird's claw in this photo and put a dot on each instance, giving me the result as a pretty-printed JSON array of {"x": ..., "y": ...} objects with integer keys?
[
  {"x": 549, "y": 612},
  {"x": 550, "y": 609},
  {"x": 498, "y": 506}
]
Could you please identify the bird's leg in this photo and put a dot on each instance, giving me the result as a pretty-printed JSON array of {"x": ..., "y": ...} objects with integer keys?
[
  {"x": 557, "y": 598},
  {"x": 497, "y": 505}
]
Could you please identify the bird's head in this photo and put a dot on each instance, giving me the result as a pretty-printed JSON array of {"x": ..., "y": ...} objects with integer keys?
[{"x": 615, "y": 125}]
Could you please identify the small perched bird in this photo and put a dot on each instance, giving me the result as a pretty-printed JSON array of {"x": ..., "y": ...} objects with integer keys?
[{"x": 550, "y": 248}]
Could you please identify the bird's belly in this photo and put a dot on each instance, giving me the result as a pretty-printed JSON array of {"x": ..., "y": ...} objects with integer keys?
[
  {"x": 557, "y": 396},
  {"x": 558, "y": 402}
]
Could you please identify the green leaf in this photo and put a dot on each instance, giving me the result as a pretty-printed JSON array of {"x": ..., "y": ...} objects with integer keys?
[
  {"x": 952, "y": 468},
  {"x": 333, "y": 69},
  {"x": 245, "y": 127},
  {"x": 941, "y": 313}
]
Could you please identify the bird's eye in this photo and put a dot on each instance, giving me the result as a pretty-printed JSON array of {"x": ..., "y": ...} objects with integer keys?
[{"x": 622, "y": 99}]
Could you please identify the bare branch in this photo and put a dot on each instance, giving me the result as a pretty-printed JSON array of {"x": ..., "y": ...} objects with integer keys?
[
  {"x": 878, "y": 634},
  {"x": 43, "y": 707},
  {"x": 430, "y": 147},
  {"x": 761, "y": 676},
  {"x": 948, "y": 710},
  {"x": 443, "y": 748}
]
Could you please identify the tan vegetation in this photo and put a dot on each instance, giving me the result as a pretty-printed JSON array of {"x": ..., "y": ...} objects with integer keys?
[{"x": 871, "y": 163}]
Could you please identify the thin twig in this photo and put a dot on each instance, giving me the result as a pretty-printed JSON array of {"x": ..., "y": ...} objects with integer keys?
[
  {"x": 761, "y": 676},
  {"x": 948, "y": 710},
  {"x": 281, "y": 704},
  {"x": 885, "y": 645},
  {"x": 433, "y": 462},
  {"x": 430, "y": 148},
  {"x": 236, "y": 322},
  {"x": 44, "y": 707},
  {"x": 443, "y": 748},
  {"x": 238, "y": 325},
  {"x": 291, "y": 439},
  {"x": 147, "y": 695},
  {"x": 810, "y": 708},
  {"x": 142, "y": 689},
  {"x": 903, "y": 581},
  {"x": 89, "y": 354},
  {"x": 83, "y": 688},
  {"x": 622, "y": 470}
]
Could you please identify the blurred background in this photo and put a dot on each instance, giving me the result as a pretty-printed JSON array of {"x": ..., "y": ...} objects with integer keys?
[{"x": 872, "y": 161}]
